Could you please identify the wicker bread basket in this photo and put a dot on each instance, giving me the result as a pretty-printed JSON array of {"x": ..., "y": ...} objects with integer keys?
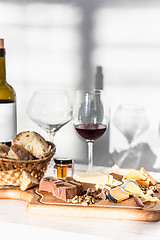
[{"x": 36, "y": 167}]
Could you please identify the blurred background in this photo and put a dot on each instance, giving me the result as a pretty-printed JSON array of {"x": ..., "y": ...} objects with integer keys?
[{"x": 59, "y": 44}]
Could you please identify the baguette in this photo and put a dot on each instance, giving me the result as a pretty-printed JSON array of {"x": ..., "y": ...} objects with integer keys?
[{"x": 34, "y": 143}]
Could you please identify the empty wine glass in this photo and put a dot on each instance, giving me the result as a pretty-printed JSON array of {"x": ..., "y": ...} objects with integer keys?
[
  {"x": 91, "y": 117},
  {"x": 50, "y": 109},
  {"x": 132, "y": 121}
]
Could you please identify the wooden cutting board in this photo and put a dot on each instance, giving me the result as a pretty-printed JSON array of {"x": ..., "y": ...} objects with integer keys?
[{"x": 43, "y": 203}]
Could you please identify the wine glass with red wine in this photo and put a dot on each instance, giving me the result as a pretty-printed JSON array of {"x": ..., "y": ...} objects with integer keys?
[{"x": 90, "y": 117}]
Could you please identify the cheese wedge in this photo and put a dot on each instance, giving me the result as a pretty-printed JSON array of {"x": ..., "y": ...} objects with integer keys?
[
  {"x": 144, "y": 183},
  {"x": 152, "y": 181},
  {"x": 116, "y": 169},
  {"x": 133, "y": 189},
  {"x": 142, "y": 177}
]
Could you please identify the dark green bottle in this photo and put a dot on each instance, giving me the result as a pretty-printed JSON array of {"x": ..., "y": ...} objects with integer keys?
[{"x": 8, "y": 119}]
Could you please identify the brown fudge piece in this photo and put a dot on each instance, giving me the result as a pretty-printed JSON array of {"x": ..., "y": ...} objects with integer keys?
[
  {"x": 77, "y": 184},
  {"x": 47, "y": 184},
  {"x": 62, "y": 189}
]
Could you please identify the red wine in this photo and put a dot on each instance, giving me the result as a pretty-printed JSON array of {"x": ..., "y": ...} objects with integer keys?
[{"x": 90, "y": 131}]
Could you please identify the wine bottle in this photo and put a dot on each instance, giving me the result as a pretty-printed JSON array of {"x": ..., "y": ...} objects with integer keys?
[
  {"x": 99, "y": 78},
  {"x": 8, "y": 120}
]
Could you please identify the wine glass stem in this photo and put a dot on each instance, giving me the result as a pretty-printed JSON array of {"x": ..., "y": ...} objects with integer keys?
[
  {"x": 124, "y": 156},
  {"x": 90, "y": 155},
  {"x": 52, "y": 137}
]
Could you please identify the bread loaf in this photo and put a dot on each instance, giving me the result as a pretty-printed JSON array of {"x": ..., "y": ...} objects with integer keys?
[
  {"x": 33, "y": 142},
  {"x": 4, "y": 149},
  {"x": 19, "y": 153}
]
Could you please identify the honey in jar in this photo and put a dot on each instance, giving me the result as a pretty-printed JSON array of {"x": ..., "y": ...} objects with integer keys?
[{"x": 63, "y": 167}]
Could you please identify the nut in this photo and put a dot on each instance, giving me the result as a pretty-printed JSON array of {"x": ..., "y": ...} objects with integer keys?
[
  {"x": 85, "y": 200},
  {"x": 89, "y": 200},
  {"x": 75, "y": 199},
  {"x": 154, "y": 189},
  {"x": 92, "y": 192}
]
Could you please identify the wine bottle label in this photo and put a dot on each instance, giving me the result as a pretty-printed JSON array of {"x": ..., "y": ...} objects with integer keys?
[{"x": 7, "y": 121}]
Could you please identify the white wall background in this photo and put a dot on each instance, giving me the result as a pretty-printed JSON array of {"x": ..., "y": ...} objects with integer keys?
[{"x": 58, "y": 44}]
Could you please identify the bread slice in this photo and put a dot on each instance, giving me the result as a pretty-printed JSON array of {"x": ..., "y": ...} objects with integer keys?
[
  {"x": 4, "y": 149},
  {"x": 19, "y": 153},
  {"x": 16, "y": 177},
  {"x": 34, "y": 143},
  {"x": 27, "y": 181},
  {"x": 11, "y": 154}
]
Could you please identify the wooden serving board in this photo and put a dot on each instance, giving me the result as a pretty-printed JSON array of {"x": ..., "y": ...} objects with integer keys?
[{"x": 43, "y": 203}]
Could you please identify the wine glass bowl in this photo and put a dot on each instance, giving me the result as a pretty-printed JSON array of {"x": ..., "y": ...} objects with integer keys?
[
  {"x": 90, "y": 118},
  {"x": 50, "y": 109},
  {"x": 132, "y": 121}
]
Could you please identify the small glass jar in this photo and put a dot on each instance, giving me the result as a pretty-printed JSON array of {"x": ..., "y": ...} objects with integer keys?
[{"x": 63, "y": 167}]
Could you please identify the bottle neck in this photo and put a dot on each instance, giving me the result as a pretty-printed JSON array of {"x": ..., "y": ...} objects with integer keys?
[{"x": 2, "y": 66}]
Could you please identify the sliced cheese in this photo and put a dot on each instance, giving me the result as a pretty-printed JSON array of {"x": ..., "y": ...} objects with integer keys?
[
  {"x": 133, "y": 189},
  {"x": 118, "y": 195},
  {"x": 97, "y": 180},
  {"x": 149, "y": 198},
  {"x": 115, "y": 183},
  {"x": 92, "y": 177},
  {"x": 132, "y": 174}
]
